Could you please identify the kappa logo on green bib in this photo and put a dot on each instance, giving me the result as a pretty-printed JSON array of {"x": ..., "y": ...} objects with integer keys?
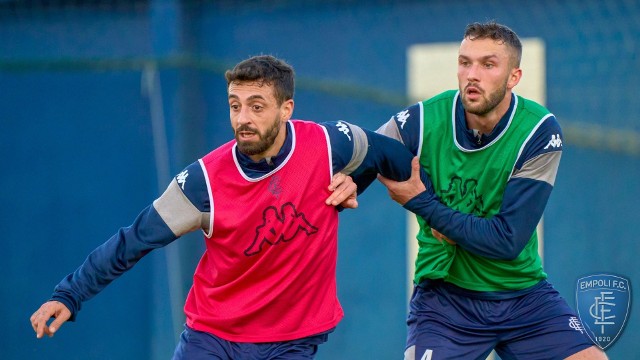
[{"x": 463, "y": 195}]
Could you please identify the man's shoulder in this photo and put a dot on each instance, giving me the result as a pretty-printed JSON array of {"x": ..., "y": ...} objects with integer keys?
[{"x": 532, "y": 107}]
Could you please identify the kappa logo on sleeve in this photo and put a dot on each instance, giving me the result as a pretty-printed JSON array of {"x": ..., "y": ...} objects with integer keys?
[
  {"x": 182, "y": 178},
  {"x": 344, "y": 128},
  {"x": 555, "y": 142},
  {"x": 402, "y": 118}
]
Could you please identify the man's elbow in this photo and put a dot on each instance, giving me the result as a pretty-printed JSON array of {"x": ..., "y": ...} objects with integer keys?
[{"x": 512, "y": 248}]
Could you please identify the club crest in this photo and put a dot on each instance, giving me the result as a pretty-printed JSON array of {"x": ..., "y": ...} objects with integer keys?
[{"x": 603, "y": 302}]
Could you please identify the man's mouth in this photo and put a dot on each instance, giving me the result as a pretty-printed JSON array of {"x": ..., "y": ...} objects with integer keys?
[
  {"x": 245, "y": 133},
  {"x": 472, "y": 92}
]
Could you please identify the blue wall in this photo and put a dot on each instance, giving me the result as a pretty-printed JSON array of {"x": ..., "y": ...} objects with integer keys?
[{"x": 77, "y": 143}]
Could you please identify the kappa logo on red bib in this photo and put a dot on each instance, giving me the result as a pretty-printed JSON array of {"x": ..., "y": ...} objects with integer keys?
[{"x": 278, "y": 227}]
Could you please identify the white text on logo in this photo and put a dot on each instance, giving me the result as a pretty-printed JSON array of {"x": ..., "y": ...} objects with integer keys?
[
  {"x": 343, "y": 128},
  {"x": 600, "y": 309},
  {"x": 555, "y": 142},
  {"x": 182, "y": 178},
  {"x": 402, "y": 117}
]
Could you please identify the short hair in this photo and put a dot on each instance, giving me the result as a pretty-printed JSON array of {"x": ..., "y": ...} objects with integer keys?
[
  {"x": 498, "y": 32},
  {"x": 265, "y": 69}
]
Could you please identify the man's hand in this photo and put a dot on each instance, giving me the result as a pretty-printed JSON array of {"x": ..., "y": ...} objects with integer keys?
[
  {"x": 403, "y": 191},
  {"x": 343, "y": 192},
  {"x": 50, "y": 309},
  {"x": 441, "y": 237}
]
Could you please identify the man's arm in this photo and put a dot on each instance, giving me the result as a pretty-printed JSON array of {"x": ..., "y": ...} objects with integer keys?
[
  {"x": 171, "y": 215},
  {"x": 405, "y": 127},
  {"x": 363, "y": 154}
]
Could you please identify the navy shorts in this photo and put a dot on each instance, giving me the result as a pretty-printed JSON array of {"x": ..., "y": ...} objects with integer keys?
[
  {"x": 198, "y": 345},
  {"x": 444, "y": 323}
]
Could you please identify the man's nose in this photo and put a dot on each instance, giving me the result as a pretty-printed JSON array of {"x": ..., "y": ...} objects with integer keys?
[
  {"x": 244, "y": 116},
  {"x": 473, "y": 73}
]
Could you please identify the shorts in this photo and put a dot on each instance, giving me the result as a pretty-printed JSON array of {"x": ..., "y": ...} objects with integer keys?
[
  {"x": 446, "y": 324},
  {"x": 198, "y": 345}
]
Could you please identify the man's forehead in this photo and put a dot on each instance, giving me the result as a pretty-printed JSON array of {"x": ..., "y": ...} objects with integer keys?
[
  {"x": 485, "y": 47},
  {"x": 250, "y": 89}
]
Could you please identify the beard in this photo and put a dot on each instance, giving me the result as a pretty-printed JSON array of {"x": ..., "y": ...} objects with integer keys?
[
  {"x": 265, "y": 140},
  {"x": 487, "y": 104}
]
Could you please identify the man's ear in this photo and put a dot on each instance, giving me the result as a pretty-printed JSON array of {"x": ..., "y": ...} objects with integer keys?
[
  {"x": 514, "y": 78},
  {"x": 286, "y": 110}
]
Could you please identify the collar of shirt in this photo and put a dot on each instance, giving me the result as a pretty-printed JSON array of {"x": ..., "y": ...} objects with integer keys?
[
  {"x": 257, "y": 169},
  {"x": 468, "y": 138}
]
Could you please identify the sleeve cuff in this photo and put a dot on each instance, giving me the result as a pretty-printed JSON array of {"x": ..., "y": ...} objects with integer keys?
[
  {"x": 72, "y": 305},
  {"x": 418, "y": 203}
]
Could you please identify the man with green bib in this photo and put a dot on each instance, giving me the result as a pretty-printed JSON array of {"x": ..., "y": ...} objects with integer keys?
[{"x": 492, "y": 158}]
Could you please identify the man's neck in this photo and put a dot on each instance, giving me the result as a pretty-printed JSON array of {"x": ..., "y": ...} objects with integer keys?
[
  {"x": 481, "y": 124},
  {"x": 484, "y": 124},
  {"x": 274, "y": 149}
]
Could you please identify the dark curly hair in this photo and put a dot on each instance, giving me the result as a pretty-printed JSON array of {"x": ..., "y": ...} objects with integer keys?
[{"x": 265, "y": 69}]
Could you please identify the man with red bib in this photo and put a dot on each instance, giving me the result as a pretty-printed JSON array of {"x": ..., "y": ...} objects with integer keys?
[{"x": 265, "y": 287}]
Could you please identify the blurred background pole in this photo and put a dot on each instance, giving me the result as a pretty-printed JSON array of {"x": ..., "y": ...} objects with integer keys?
[{"x": 176, "y": 120}]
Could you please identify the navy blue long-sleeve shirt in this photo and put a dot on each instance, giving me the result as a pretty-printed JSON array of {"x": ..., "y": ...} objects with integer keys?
[{"x": 182, "y": 209}]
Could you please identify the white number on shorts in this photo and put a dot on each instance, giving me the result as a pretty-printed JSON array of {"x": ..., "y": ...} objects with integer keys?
[{"x": 427, "y": 355}]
